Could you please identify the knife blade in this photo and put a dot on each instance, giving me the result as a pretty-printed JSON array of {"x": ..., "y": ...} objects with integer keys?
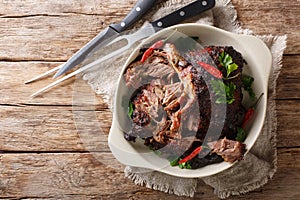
[
  {"x": 173, "y": 18},
  {"x": 137, "y": 12}
]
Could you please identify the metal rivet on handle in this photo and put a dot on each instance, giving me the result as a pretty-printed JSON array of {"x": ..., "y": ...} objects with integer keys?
[
  {"x": 182, "y": 13},
  {"x": 204, "y": 3},
  {"x": 159, "y": 24},
  {"x": 138, "y": 9},
  {"x": 123, "y": 24}
]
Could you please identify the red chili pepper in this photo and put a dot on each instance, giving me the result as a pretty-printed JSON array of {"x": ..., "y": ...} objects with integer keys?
[
  {"x": 248, "y": 115},
  {"x": 211, "y": 69},
  {"x": 250, "y": 112},
  {"x": 150, "y": 50},
  {"x": 191, "y": 156},
  {"x": 154, "y": 46}
]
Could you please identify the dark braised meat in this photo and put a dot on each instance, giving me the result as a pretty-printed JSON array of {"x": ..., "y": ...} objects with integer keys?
[
  {"x": 199, "y": 162},
  {"x": 230, "y": 150},
  {"x": 234, "y": 111},
  {"x": 174, "y": 106}
]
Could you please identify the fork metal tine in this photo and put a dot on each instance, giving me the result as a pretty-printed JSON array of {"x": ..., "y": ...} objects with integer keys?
[
  {"x": 131, "y": 39},
  {"x": 115, "y": 53},
  {"x": 44, "y": 74}
]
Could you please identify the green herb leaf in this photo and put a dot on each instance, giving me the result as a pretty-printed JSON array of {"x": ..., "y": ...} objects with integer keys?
[
  {"x": 225, "y": 93},
  {"x": 230, "y": 92},
  {"x": 241, "y": 135},
  {"x": 185, "y": 165},
  {"x": 226, "y": 61},
  {"x": 130, "y": 109},
  {"x": 247, "y": 81},
  {"x": 188, "y": 166},
  {"x": 218, "y": 87},
  {"x": 232, "y": 67},
  {"x": 247, "y": 85},
  {"x": 174, "y": 162}
]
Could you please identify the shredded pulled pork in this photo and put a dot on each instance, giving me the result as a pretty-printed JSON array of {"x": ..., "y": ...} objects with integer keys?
[
  {"x": 230, "y": 150},
  {"x": 173, "y": 104},
  {"x": 166, "y": 98}
]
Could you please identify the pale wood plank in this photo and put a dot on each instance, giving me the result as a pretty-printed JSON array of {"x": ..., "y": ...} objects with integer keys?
[
  {"x": 63, "y": 175},
  {"x": 42, "y": 128},
  {"x": 61, "y": 30},
  {"x": 288, "y": 113},
  {"x": 53, "y": 129},
  {"x": 272, "y": 18},
  {"x": 14, "y": 91},
  {"x": 47, "y": 38},
  {"x": 19, "y": 8},
  {"x": 82, "y": 175},
  {"x": 288, "y": 83}
]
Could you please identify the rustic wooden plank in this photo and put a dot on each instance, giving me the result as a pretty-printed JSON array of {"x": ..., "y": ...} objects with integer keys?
[
  {"x": 272, "y": 17},
  {"x": 82, "y": 175},
  {"x": 61, "y": 30},
  {"x": 57, "y": 175},
  {"x": 288, "y": 113},
  {"x": 54, "y": 30},
  {"x": 288, "y": 84},
  {"x": 47, "y": 38},
  {"x": 14, "y": 91},
  {"x": 23, "y": 8},
  {"x": 35, "y": 128},
  {"x": 42, "y": 128}
]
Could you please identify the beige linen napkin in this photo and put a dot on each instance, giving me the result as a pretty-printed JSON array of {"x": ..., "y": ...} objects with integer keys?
[{"x": 259, "y": 165}]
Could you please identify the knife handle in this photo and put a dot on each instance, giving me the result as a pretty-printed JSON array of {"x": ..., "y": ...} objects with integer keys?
[
  {"x": 184, "y": 13},
  {"x": 137, "y": 12}
]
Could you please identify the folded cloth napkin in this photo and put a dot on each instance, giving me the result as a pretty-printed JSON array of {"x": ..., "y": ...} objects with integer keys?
[{"x": 259, "y": 165}]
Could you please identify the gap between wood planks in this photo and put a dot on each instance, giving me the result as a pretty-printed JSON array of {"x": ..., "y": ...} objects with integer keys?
[
  {"x": 58, "y": 152},
  {"x": 30, "y": 60},
  {"x": 64, "y": 14}
]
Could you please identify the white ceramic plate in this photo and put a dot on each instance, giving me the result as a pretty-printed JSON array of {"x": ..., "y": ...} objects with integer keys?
[{"x": 259, "y": 60}]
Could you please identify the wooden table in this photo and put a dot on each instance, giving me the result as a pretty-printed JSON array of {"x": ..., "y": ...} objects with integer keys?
[{"x": 41, "y": 154}]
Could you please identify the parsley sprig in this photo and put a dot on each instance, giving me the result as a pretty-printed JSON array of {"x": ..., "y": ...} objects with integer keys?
[
  {"x": 224, "y": 93},
  {"x": 130, "y": 109},
  {"x": 241, "y": 134},
  {"x": 174, "y": 162},
  {"x": 185, "y": 165},
  {"x": 247, "y": 85},
  {"x": 226, "y": 61}
]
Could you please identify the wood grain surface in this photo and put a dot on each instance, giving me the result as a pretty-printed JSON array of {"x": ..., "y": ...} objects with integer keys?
[{"x": 48, "y": 152}]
